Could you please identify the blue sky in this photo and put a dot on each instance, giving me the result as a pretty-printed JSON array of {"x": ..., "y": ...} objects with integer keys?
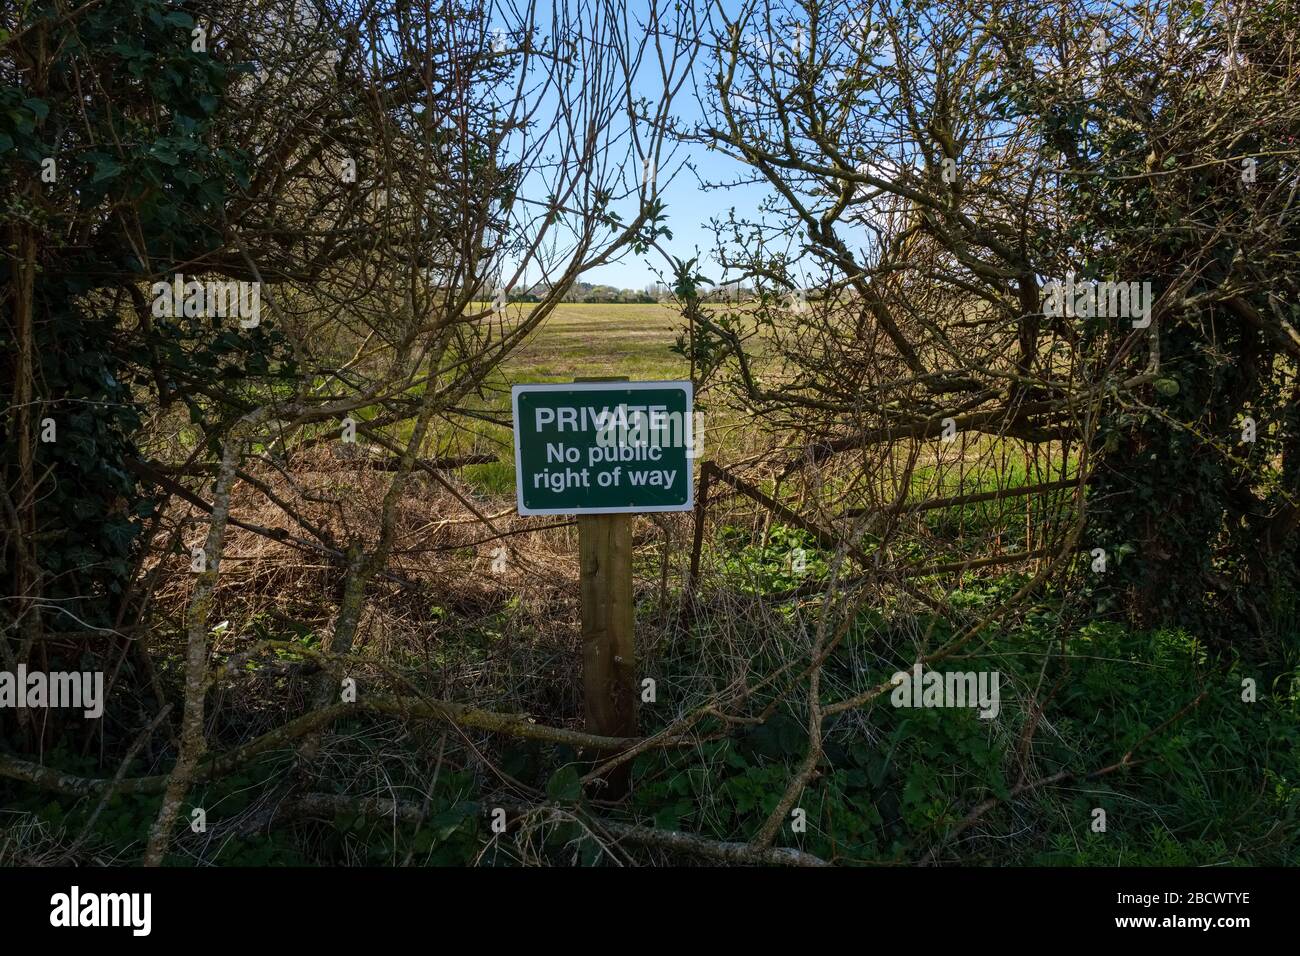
[
  {"x": 695, "y": 184},
  {"x": 688, "y": 204},
  {"x": 689, "y": 208}
]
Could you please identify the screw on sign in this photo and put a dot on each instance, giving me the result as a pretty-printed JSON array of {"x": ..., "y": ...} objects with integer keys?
[{"x": 605, "y": 450}]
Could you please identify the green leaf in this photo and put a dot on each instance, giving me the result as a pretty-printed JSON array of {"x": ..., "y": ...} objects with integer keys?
[
  {"x": 589, "y": 852},
  {"x": 565, "y": 786},
  {"x": 106, "y": 169}
]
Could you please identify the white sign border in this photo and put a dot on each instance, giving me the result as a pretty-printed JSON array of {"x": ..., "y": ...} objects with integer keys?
[{"x": 517, "y": 390}]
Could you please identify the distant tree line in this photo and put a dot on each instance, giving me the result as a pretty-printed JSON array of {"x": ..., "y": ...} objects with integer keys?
[{"x": 653, "y": 292}]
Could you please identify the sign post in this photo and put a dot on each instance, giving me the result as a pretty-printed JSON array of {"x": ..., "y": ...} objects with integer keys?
[
  {"x": 604, "y": 451},
  {"x": 608, "y": 644}
]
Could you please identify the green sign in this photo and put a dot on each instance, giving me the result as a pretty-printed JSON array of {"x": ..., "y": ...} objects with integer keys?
[{"x": 604, "y": 447}]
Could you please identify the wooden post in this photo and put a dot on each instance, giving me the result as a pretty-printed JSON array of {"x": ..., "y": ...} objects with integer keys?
[
  {"x": 608, "y": 638},
  {"x": 608, "y": 645}
]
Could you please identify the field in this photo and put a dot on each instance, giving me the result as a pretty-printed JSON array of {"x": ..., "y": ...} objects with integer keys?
[
  {"x": 636, "y": 341},
  {"x": 578, "y": 340},
  {"x": 594, "y": 340}
]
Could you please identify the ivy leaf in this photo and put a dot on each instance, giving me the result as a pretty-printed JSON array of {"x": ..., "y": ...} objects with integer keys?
[{"x": 120, "y": 534}]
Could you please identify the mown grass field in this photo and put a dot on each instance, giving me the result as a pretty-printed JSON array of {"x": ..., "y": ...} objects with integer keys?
[
  {"x": 578, "y": 340},
  {"x": 636, "y": 341},
  {"x": 583, "y": 340}
]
